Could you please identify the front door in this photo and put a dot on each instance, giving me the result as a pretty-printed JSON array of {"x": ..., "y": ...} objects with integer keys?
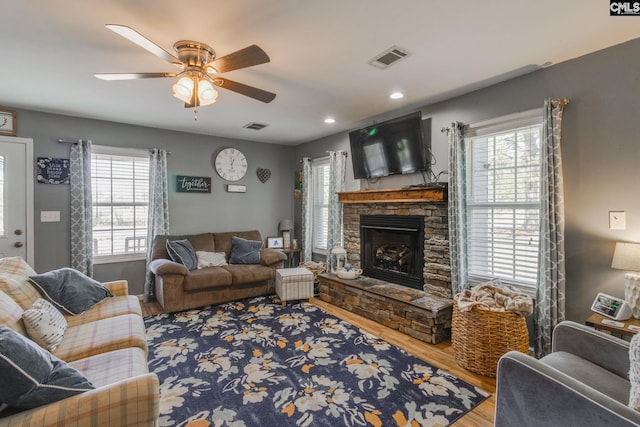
[{"x": 16, "y": 195}]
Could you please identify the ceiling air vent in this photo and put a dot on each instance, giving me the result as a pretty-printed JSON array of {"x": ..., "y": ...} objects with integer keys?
[
  {"x": 255, "y": 126},
  {"x": 388, "y": 57}
]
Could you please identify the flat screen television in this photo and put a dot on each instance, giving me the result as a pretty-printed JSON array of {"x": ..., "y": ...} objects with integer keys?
[{"x": 388, "y": 148}]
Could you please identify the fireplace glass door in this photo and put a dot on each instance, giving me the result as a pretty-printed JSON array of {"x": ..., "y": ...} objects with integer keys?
[{"x": 392, "y": 248}]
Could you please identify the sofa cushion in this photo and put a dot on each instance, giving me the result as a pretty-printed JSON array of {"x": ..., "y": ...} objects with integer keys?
[
  {"x": 182, "y": 251},
  {"x": 211, "y": 259},
  {"x": 113, "y": 366},
  {"x": 590, "y": 374},
  {"x": 245, "y": 251},
  {"x": 31, "y": 376},
  {"x": 224, "y": 240},
  {"x": 14, "y": 281},
  {"x": 11, "y": 314},
  {"x": 245, "y": 274},
  {"x": 70, "y": 290},
  {"x": 207, "y": 278},
  {"x": 108, "y": 307},
  {"x": 200, "y": 242},
  {"x": 102, "y": 336},
  {"x": 45, "y": 324}
]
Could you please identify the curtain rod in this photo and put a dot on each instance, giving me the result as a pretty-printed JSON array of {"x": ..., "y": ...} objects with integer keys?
[
  {"x": 75, "y": 141},
  {"x": 563, "y": 101}
]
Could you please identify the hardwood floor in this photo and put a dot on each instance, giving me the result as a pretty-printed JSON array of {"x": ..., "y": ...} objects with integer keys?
[{"x": 440, "y": 355}]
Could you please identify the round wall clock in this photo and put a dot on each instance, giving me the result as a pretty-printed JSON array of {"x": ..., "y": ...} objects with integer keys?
[{"x": 231, "y": 164}]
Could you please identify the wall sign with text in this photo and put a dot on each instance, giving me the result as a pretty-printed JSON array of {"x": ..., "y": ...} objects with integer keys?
[
  {"x": 52, "y": 171},
  {"x": 193, "y": 184}
]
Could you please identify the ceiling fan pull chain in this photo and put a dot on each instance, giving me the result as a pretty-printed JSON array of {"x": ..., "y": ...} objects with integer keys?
[{"x": 195, "y": 114}]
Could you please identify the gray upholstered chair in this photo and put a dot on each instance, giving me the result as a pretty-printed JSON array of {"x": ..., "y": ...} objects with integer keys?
[{"x": 583, "y": 382}]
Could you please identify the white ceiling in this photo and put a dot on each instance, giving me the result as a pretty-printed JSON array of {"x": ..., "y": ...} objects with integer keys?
[{"x": 319, "y": 52}]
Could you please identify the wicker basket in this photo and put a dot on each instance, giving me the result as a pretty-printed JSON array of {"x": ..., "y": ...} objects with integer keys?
[
  {"x": 314, "y": 267},
  {"x": 481, "y": 337}
]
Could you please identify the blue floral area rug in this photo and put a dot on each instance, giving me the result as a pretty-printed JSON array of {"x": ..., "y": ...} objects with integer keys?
[{"x": 257, "y": 363}]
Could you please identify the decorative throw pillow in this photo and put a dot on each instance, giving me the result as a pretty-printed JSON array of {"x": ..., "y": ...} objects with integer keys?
[
  {"x": 31, "y": 376},
  {"x": 634, "y": 372},
  {"x": 211, "y": 259},
  {"x": 182, "y": 251},
  {"x": 244, "y": 251},
  {"x": 45, "y": 324},
  {"x": 70, "y": 290}
]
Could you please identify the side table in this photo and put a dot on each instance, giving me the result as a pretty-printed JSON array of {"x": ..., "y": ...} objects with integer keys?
[
  {"x": 629, "y": 327},
  {"x": 291, "y": 254}
]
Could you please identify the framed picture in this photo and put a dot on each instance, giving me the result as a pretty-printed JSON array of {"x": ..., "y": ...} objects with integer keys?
[
  {"x": 275, "y": 242},
  {"x": 7, "y": 122}
]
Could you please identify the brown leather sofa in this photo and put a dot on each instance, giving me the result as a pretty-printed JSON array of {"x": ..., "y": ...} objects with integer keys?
[{"x": 177, "y": 288}]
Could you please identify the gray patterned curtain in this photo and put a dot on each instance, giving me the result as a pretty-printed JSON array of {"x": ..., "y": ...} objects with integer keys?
[
  {"x": 457, "y": 208},
  {"x": 307, "y": 208},
  {"x": 81, "y": 207},
  {"x": 158, "y": 215},
  {"x": 550, "y": 298},
  {"x": 337, "y": 173}
]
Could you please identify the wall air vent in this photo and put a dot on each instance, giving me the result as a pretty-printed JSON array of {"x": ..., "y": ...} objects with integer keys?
[
  {"x": 388, "y": 57},
  {"x": 255, "y": 126}
]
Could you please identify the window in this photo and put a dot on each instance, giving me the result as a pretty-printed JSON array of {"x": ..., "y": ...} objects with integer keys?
[
  {"x": 120, "y": 187},
  {"x": 2, "y": 201},
  {"x": 503, "y": 201},
  {"x": 320, "y": 197}
]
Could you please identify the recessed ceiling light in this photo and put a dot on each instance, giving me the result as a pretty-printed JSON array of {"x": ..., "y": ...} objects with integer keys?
[
  {"x": 396, "y": 95},
  {"x": 329, "y": 120}
]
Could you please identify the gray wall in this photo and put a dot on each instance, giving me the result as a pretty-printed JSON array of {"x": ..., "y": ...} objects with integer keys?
[
  {"x": 601, "y": 153},
  {"x": 261, "y": 207},
  {"x": 600, "y": 149}
]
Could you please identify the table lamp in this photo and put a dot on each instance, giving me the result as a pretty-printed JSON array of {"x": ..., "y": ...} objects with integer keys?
[
  {"x": 626, "y": 256},
  {"x": 286, "y": 225}
]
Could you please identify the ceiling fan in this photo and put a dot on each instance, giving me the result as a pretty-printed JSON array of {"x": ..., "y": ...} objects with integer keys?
[{"x": 196, "y": 81}]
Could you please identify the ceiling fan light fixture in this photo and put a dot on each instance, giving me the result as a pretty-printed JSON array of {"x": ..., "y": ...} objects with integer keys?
[
  {"x": 206, "y": 93},
  {"x": 183, "y": 89}
]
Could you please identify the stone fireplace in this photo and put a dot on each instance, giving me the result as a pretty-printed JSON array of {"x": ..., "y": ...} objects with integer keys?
[
  {"x": 397, "y": 219},
  {"x": 405, "y": 205}
]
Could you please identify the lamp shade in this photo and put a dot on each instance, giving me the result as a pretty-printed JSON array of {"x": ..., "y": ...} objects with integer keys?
[
  {"x": 285, "y": 225},
  {"x": 626, "y": 256}
]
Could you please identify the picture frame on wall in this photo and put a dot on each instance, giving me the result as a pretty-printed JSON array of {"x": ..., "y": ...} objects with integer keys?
[
  {"x": 7, "y": 122},
  {"x": 275, "y": 242}
]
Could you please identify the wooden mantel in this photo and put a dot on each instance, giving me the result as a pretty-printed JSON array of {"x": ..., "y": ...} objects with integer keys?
[{"x": 429, "y": 193}]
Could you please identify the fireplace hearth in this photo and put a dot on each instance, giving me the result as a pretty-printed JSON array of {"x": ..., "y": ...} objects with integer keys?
[{"x": 392, "y": 248}]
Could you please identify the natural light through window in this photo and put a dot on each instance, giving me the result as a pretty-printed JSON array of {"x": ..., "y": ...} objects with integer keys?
[
  {"x": 320, "y": 205},
  {"x": 503, "y": 205},
  {"x": 2, "y": 203},
  {"x": 120, "y": 188}
]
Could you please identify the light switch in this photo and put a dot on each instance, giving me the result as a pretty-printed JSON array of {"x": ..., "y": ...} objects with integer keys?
[
  {"x": 49, "y": 216},
  {"x": 617, "y": 220}
]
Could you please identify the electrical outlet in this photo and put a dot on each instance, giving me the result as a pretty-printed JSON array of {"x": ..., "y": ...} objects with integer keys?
[{"x": 617, "y": 220}]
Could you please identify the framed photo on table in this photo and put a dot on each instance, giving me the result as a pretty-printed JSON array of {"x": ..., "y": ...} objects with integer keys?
[
  {"x": 7, "y": 122},
  {"x": 275, "y": 242}
]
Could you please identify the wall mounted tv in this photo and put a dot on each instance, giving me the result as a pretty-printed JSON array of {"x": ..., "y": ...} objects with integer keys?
[{"x": 388, "y": 148}]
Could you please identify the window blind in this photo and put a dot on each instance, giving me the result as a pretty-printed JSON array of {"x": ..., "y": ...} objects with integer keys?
[
  {"x": 503, "y": 205},
  {"x": 120, "y": 190},
  {"x": 320, "y": 206}
]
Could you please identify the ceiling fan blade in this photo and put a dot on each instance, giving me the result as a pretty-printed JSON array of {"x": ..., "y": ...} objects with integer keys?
[
  {"x": 250, "y": 91},
  {"x": 243, "y": 58},
  {"x": 137, "y": 38},
  {"x": 132, "y": 76}
]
